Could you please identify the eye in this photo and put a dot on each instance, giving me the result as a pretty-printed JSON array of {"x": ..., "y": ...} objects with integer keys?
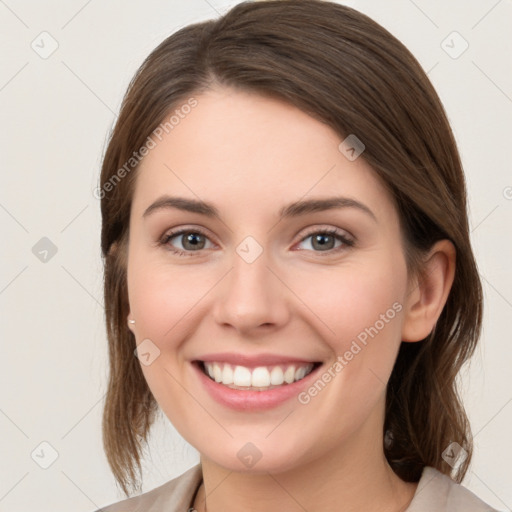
[
  {"x": 325, "y": 240},
  {"x": 190, "y": 240}
]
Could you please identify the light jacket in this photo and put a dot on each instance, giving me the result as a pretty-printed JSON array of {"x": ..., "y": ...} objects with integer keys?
[{"x": 436, "y": 492}]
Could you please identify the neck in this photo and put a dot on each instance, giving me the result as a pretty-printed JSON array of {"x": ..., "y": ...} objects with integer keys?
[{"x": 352, "y": 478}]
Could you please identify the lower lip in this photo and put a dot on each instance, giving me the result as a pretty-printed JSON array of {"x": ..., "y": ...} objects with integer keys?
[{"x": 253, "y": 400}]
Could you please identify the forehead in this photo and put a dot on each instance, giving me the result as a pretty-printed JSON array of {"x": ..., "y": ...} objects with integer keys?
[{"x": 252, "y": 152}]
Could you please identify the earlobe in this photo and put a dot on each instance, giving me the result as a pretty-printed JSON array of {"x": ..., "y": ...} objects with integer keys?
[
  {"x": 131, "y": 322},
  {"x": 427, "y": 296},
  {"x": 113, "y": 248}
]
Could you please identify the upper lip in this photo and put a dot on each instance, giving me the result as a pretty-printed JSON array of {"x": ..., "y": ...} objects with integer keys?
[{"x": 253, "y": 361}]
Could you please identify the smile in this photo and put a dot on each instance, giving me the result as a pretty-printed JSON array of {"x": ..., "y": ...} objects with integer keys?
[{"x": 260, "y": 378}]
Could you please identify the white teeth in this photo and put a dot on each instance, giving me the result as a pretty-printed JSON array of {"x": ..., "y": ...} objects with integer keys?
[
  {"x": 300, "y": 373},
  {"x": 289, "y": 374},
  {"x": 242, "y": 376},
  {"x": 260, "y": 377},
  {"x": 217, "y": 373},
  {"x": 276, "y": 376},
  {"x": 227, "y": 375}
]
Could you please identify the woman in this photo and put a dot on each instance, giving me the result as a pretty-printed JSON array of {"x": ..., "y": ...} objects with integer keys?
[{"x": 288, "y": 269}]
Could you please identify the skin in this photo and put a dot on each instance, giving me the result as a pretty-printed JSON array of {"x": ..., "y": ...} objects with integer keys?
[{"x": 250, "y": 155}]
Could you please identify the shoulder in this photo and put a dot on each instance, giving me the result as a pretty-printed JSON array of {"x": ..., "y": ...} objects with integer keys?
[
  {"x": 438, "y": 492},
  {"x": 172, "y": 496}
]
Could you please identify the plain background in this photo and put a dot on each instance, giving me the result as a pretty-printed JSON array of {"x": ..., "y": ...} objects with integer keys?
[{"x": 56, "y": 115}]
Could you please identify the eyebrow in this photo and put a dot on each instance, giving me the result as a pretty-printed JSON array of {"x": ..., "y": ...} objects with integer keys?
[{"x": 294, "y": 209}]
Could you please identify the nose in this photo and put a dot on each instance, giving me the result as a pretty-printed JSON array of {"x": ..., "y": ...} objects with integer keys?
[{"x": 252, "y": 298}]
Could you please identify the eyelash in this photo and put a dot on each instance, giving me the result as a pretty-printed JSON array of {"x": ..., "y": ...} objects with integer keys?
[{"x": 346, "y": 242}]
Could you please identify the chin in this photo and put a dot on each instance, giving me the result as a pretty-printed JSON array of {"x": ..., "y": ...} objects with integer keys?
[{"x": 249, "y": 459}]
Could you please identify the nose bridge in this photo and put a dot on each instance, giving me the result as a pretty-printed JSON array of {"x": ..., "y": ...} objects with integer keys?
[{"x": 251, "y": 294}]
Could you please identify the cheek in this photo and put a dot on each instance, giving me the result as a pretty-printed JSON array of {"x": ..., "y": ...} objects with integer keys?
[
  {"x": 362, "y": 309},
  {"x": 161, "y": 296},
  {"x": 360, "y": 312},
  {"x": 349, "y": 300},
  {"x": 165, "y": 302}
]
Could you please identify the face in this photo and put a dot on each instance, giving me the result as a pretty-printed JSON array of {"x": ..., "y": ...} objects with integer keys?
[{"x": 264, "y": 285}]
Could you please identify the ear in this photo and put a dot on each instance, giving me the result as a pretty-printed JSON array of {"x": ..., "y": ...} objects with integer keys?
[
  {"x": 130, "y": 322},
  {"x": 114, "y": 246},
  {"x": 428, "y": 293}
]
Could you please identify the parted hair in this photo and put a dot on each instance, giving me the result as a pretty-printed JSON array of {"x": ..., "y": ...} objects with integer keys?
[{"x": 341, "y": 67}]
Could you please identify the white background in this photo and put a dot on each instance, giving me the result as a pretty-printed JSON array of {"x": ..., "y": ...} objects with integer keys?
[{"x": 56, "y": 114}]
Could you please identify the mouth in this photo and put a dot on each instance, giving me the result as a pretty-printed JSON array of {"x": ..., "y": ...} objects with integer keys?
[{"x": 260, "y": 378}]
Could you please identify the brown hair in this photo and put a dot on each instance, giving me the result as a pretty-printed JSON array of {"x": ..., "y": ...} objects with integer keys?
[{"x": 344, "y": 69}]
